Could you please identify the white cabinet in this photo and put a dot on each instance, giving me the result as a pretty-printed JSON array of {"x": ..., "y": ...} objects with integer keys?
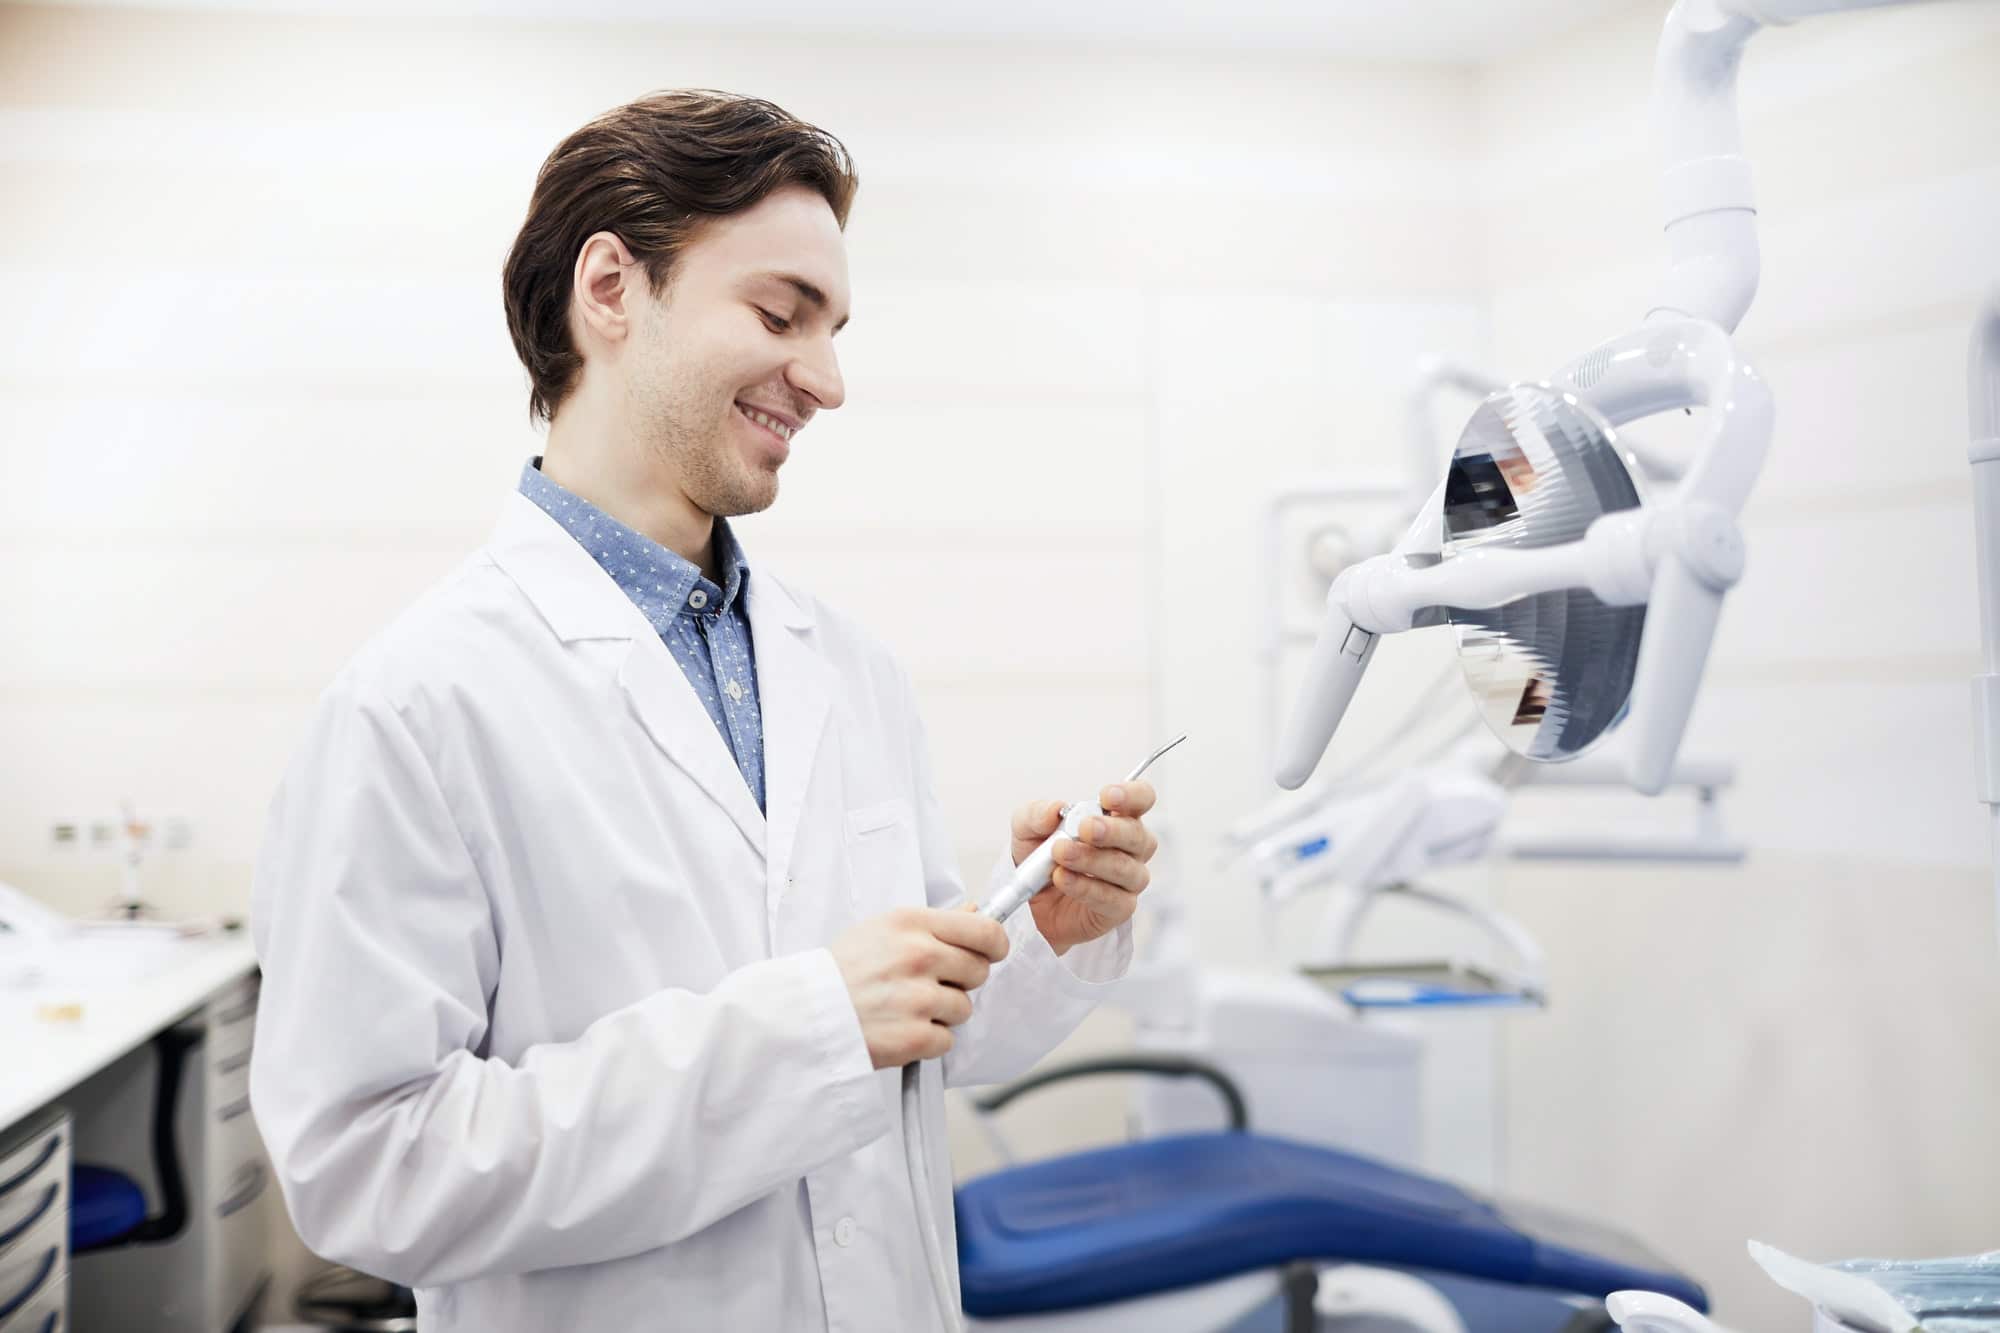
[
  {"x": 208, "y": 1278},
  {"x": 34, "y": 1225}
]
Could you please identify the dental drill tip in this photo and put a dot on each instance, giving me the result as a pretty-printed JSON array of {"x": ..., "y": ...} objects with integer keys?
[{"x": 1148, "y": 761}]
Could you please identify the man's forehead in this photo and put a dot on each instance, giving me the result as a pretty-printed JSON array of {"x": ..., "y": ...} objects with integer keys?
[
  {"x": 791, "y": 230},
  {"x": 787, "y": 246}
]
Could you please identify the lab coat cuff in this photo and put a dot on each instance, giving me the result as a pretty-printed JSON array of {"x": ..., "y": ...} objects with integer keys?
[{"x": 852, "y": 1098}]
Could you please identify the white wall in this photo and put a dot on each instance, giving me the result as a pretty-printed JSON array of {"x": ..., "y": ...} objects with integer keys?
[
  {"x": 1801, "y": 1050},
  {"x": 254, "y": 265},
  {"x": 259, "y": 393}
]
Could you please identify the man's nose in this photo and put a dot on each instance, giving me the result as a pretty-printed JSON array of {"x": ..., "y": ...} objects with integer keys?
[{"x": 818, "y": 373}]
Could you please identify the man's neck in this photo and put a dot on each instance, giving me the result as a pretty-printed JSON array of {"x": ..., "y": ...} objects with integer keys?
[{"x": 605, "y": 467}]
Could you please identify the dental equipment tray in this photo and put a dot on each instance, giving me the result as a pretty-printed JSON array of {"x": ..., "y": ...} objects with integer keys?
[
  {"x": 1160, "y": 1214},
  {"x": 1419, "y": 981}
]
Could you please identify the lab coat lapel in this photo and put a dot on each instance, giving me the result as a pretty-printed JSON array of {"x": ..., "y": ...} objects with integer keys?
[
  {"x": 580, "y": 602},
  {"x": 665, "y": 702},
  {"x": 794, "y": 685}
]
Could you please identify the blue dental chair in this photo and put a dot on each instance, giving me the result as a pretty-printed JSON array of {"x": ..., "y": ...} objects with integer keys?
[{"x": 1178, "y": 1232}]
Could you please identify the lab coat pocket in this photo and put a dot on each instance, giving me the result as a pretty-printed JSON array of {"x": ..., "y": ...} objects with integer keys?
[{"x": 883, "y": 866}]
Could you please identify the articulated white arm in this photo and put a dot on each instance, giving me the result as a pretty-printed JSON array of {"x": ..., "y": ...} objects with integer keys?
[
  {"x": 1711, "y": 210},
  {"x": 1705, "y": 185}
]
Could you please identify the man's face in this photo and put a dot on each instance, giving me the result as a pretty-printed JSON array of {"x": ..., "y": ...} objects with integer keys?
[{"x": 735, "y": 355}]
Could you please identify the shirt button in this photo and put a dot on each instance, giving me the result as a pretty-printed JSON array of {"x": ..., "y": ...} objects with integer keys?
[
  {"x": 843, "y": 1232},
  {"x": 697, "y": 599}
]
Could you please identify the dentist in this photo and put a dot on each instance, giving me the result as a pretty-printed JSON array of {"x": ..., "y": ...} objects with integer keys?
[{"x": 609, "y": 888}]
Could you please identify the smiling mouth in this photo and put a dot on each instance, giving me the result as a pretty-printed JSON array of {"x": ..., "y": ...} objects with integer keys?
[{"x": 768, "y": 422}]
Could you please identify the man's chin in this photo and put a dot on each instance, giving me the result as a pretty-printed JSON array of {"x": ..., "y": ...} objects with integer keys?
[{"x": 748, "y": 499}]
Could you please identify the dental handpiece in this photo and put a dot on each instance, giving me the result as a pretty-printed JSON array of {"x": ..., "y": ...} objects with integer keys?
[{"x": 1039, "y": 866}]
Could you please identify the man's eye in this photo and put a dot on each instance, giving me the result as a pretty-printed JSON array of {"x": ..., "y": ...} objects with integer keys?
[{"x": 777, "y": 325}]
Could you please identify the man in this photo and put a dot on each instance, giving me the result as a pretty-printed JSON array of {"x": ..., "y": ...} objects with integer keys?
[{"x": 609, "y": 890}]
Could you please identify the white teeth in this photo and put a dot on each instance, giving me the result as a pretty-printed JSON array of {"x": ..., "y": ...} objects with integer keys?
[{"x": 783, "y": 431}]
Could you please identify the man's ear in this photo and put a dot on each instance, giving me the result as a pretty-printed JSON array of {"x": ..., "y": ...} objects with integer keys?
[{"x": 602, "y": 287}]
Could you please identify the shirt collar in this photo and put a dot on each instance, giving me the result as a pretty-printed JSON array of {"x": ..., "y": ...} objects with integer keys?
[{"x": 659, "y": 581}]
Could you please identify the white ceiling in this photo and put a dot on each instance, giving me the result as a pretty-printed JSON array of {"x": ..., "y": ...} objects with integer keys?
[{"x": 1442, "y": 31}]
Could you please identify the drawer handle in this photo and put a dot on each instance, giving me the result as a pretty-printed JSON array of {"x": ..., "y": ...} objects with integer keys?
[
  {"x": 41, "y": 1160},
  {"x": 34, "y": 1284},
  {"x": 229, "y": 1064},
  {"x": 35, "y": 1215},
  {"x": 253, "y": 1185},
  {"x": 225, "y": 1114}
]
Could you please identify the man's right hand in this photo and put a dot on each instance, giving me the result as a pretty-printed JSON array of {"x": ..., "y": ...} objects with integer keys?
[{"x": 909, "y": 973}]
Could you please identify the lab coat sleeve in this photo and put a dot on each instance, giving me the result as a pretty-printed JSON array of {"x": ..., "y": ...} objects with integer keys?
[
  {"x": 404, "y": 1150},
  {"x": 1032, "y": 999}
]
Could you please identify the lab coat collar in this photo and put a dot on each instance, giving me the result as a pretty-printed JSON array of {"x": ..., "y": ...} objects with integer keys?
[
  {"x": 569, "y": 589},
  {"x": 551, "y": 569},
  {"x": 579, "y": 601}
]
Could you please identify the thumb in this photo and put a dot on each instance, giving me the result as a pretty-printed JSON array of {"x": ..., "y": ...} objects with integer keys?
[{"x": 1036, "y": 820}]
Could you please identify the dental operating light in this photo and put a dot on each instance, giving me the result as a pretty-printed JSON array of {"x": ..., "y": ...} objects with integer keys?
[
  {"x": 1533, "y": 469},
  {"x": 1577, "y": 606},
  {"x": 1579, "y": 551}
]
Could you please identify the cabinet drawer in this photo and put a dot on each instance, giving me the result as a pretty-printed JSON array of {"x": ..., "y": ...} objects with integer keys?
[
  {"x": 234, "y": 1145},
  {"x": 232, "y": 1023},
  {"x": 44, "y": 1206},
  {"x": 229, "y": 1075},
  {"x": 46, "y": 1313},
  {"x": 34, "y": 1182},
  {"x": 34, "y": 1266}
]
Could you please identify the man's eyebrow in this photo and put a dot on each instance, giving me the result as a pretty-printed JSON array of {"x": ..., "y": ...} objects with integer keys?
[{"x": 805, "y": 289}]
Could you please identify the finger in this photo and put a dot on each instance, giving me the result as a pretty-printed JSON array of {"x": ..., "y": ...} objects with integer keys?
[
  {"x": 968, "y": 930},
  {"x": 1122, "y": 869},
  {"x": 1128, "y": 798},
  {"x": 1120, "y": 834},
  {"x": 960, "y": 967},
  {"x": 950, "y": 1006},
  {"x": 924, "y": 1041},
  {"x": 1036, "y": 820},
  {"x": 1100, "y": 898}
]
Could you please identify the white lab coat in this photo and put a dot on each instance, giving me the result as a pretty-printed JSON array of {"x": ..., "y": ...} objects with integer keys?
[{"x": 549, "y": 1031}]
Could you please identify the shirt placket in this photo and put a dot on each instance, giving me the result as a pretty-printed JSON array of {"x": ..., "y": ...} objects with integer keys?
[{"x": 737, "y": 695}]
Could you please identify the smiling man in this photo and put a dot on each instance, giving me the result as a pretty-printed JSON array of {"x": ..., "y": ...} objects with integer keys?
[{"x": 609, "y": 889}]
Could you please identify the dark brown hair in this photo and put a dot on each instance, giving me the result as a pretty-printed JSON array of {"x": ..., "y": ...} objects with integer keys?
[{"x": 652, "y": 172}]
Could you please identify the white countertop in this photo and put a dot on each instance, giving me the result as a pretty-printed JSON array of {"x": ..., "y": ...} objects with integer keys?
[{"x": 122, "y": 1007}]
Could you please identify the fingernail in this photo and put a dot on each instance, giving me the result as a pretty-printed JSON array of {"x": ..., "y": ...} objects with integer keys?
[
  {"x": 1117, "y": 795},
  {"x": 1094, "y": 830}
]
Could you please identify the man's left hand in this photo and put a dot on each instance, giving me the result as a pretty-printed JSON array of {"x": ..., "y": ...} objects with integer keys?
[{"x": 1098, "y": 880}]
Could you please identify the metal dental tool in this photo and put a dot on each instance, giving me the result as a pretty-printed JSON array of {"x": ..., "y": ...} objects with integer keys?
[
  {"x": 1029, "y": 878},
  {"x": 1034, "y": 872}
]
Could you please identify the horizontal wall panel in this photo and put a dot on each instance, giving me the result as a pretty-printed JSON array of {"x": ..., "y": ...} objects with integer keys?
[
  {"x": 194, "y": 464},
  {"x": 292, "y": 617},
  {"x": 163, "y": 323},
  {"x": 1826, "y": 586},
  {"x": 1878, "y": 768}
]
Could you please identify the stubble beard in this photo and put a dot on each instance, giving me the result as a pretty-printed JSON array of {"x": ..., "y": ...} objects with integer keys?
[{"x": 711, "y": 472}]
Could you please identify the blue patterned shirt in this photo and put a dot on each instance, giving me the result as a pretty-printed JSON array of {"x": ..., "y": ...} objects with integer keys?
[{"x": 705, "y": 626}]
